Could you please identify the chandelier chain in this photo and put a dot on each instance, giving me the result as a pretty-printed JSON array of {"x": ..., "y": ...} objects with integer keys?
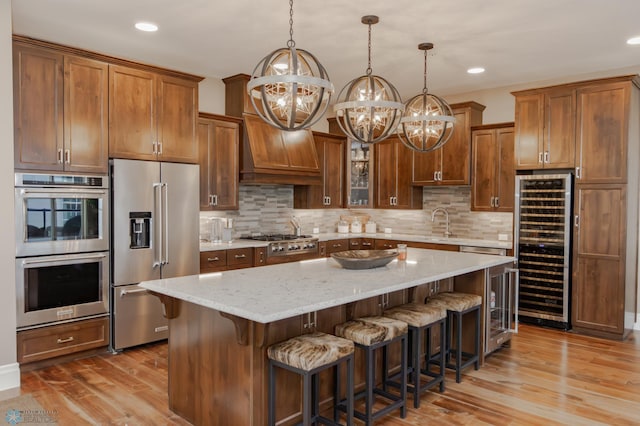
[
  {"x": 425, "y": 90},
  {"x": 291, "y": 43},
  {"x": 369, "y": 70}
]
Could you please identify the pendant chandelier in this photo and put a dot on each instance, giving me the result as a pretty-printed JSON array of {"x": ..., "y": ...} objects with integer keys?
[
  {"x": 369, "y": 108},
  {"x": 427, "y": 122},
  {"x": 289, "y": 88}
]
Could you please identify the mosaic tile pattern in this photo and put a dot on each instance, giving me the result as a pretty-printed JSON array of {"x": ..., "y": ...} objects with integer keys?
[{"x": 268, "y": 208}]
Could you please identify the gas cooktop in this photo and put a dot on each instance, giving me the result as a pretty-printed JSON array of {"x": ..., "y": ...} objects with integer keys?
[{"x": 276, "y": 237}]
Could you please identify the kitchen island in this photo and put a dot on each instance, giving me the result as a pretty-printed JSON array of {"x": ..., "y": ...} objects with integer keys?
[{"x": 220, "y": 324}]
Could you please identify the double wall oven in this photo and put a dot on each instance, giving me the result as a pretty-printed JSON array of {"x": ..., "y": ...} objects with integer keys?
[{"x": 62, "y": 248}]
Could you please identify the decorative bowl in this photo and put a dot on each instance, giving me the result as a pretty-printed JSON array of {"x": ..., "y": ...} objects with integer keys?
[{"x": 364, "y": 259}]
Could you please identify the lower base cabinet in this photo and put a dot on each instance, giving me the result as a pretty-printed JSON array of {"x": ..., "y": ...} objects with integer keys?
[{"x": 56, "y": 340}]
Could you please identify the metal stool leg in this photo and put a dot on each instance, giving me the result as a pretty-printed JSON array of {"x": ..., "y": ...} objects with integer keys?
[
  {"x": 443, "y": 344},
  {"x": 477, "y": 340},
  {"x": 272, "y": 395},
  {"x": 350, "y": 386},
  {"x": 369, "y": 384},
  {"x": 416, "y": 343},
  {"x": 306, "y": 400},
  {"x": 458, "y": 346},
  {"x": 403, "y": 373}
]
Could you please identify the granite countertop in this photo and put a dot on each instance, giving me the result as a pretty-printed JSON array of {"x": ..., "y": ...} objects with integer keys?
[
  {"x": 240, "y": 243},
  {"x": 276, "y": 292}
]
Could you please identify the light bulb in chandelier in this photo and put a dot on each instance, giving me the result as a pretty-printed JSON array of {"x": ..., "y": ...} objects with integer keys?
[
  {"x": 369, "y": 108},
  {"x": 289, "y": 88},
  {"x": 427, "y": 122}
]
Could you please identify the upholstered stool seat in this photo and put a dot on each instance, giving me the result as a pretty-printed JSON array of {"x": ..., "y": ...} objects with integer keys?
[
  {"x": 458, "y": 305},
  {"x": 308, "y": 355},
  {"x": 370, "y": 334},
  {"x": 421, "y": 320}
]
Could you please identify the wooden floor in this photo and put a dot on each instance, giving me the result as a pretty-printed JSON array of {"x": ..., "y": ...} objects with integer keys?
[{"x": 547, "y": 377}]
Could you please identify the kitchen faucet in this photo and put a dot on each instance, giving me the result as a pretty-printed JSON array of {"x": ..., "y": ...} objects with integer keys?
[{"x": 447, "y": 234}]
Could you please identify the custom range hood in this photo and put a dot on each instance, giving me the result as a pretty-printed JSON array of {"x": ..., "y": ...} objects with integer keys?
[{"x": 269, "y": 155}]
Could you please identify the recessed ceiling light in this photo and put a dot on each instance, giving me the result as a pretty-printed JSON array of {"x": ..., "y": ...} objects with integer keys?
[
  {"x": 476, "y": 70},
  {"x": 146, "y": 26},
  {"x": 634, "y": 40}
]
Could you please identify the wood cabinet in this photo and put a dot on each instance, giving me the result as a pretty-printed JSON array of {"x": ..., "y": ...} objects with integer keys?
[
  {"x": 334, "y": 246},
  {"x": 451, "y": 164},
  {"x": 393, "y": 188},
  {"x": 606, "y": 202},
  {"x": 331, "y": 156},
  {"x": 224, "y": 260},
  {"x": 492, "y": 170},
  {"x": 260, "y": 256},
  {"x": 545, "y": 128},
  {"x": 152, "y": 116},
  {"x": 63, "y": 339},
  {"x": 219, "y": 152},
  {"x": 60, "y": 111},
  {"x": 603, "y": 132},
  {"x": 361, "y": 243}
]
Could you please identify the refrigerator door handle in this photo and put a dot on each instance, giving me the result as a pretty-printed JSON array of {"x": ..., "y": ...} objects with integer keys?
[
  {"x": 157, "y": 229},
  {"x": 165, "y": 217}
]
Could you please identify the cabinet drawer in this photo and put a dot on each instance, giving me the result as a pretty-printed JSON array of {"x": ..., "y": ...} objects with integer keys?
[
  {"x": 56, "y": 340},
  {"x": 213, "y": 261},
  {"x": 334, "y": 246},
  {"x": 387, "y": 244},
  {"x": 240, "y": 258}
]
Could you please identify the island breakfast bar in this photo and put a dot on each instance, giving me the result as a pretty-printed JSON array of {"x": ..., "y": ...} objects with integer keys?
[{"x": 220, "y": 324}]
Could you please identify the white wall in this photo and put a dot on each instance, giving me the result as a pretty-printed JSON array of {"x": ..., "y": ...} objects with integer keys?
[
  {"x": 9, "y": 371},
  {"x": 211, "y": 95}
]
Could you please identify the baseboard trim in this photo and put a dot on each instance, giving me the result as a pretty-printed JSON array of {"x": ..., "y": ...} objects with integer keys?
[{"x": 9, "y": 376}]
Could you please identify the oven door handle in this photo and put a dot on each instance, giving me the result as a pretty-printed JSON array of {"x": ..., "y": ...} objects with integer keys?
[
  {"x": 49, "y": 259},
  {"x": 66, "y": 193}
]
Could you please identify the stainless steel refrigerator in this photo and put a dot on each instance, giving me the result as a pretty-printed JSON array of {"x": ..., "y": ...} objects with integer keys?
[{"x": 154, "y": 234}]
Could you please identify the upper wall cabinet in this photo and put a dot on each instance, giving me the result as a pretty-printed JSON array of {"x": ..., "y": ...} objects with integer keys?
[
  {"x": 331, "y": 155},
  {"x": 152, "y": 116},
  {"x": 492, "y": 172},
  {"x": 450, "y": 165},
  {"x": 545, "y": 121},
  {"x": 60, "y": 111},
  {"x": 219, "y": 151},
  {"x": 393, "y": 188}
]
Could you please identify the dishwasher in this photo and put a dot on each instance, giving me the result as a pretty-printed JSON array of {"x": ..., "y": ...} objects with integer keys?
[{"x": 500, "y": 300}]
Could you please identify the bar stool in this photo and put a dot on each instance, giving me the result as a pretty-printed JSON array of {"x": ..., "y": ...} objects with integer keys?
[
  {"x": 308, "y": 355},
  {"x": 369, "y": 334},
  {"x": 422, "y": 319},
  {"x": 458, "y": 305}
]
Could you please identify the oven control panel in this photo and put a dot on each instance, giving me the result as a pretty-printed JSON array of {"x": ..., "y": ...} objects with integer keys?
[{"x": 284, "y": 248}]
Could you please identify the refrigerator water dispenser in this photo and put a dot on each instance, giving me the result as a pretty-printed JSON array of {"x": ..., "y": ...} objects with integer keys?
[{"x": 140, "y": 230}]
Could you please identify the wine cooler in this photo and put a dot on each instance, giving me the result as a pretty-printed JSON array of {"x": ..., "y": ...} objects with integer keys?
[{"x": 543, "y": 248}]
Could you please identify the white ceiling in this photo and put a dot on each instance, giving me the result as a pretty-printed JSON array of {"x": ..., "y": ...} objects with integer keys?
[{"x": 517, "y": 41}]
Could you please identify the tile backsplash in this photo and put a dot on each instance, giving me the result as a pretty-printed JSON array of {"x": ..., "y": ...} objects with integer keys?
[{"x": 268, "y": 209}]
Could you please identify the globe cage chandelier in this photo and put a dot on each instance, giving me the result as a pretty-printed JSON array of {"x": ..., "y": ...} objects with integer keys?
[
  {"x": 289, "y": 88},
  {"x": 427, "y": 122},
  {"x": 369, "y": 108}
]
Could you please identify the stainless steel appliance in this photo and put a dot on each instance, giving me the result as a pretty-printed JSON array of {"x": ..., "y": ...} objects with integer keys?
[
  {"x": 59, "y": 214},
  {"x": 155, "y": 234},
  {"x": 56, "y": 289},
  {"x": 501, "y": 300},
  {"x": 543, "y": 247},
  {"x": 62, "y": 243},
  {"x": 288, "y": 247}
]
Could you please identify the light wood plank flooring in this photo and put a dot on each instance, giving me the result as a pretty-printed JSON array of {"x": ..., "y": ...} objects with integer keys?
[{"x": 547, "y": 377}]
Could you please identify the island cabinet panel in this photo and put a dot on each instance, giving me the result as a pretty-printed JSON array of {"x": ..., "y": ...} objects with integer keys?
[
  {"x": 434, "y": 246},
  {"x": 60, "y": 104},
  {"x": 219, "y": 160},
  {"x": 450, "y": 164},
  {"x": 152, "y": 116},
  {"x": 209, "y": 372}
]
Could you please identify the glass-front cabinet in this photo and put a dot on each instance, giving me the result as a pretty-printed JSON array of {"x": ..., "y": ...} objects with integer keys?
[
  {"x": 359, "y": 182},
  {"x": 501, "y": 306}
]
